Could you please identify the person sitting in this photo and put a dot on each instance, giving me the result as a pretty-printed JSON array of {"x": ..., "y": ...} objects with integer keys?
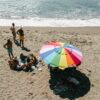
[
  {"x": 22, "y": 59},
  {"x": 28, "y": 66},
  {"x": 14, "y": 64},
  {"x": 31, "y": 63},
  {"x": 33, "y": 60}
]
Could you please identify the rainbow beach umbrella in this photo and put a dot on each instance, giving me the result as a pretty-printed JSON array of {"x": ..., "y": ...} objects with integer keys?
[{"x": 62, "y": 55}]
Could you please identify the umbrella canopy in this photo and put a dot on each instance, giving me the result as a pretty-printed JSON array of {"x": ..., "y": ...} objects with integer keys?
[{"x": 58, "y": 54}]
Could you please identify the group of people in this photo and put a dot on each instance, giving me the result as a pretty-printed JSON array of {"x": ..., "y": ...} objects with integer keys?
[
  {"x": 8, "y": 44},
  {"x": 22, "y": 62},
  {"x": 20, "y": 32}
]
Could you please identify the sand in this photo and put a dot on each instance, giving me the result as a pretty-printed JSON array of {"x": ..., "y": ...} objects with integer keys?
[{"x": 36, "y": 85}]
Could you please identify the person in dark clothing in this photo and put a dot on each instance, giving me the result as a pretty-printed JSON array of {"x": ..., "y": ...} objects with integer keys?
[
  {"x": 20, "y": 32},
  {"x": 23, "y": 58}
]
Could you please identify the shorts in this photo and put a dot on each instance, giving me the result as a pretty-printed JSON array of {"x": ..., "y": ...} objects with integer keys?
[
  {"x": 21, "y": 38},
  {"x": 10, "y": 50}
]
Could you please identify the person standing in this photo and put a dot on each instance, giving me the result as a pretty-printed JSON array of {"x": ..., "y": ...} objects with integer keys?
[
  {"x": 20, "y": 32},
  {"x": 13, "y": 31},
  {"x": 8, "y": 46}
]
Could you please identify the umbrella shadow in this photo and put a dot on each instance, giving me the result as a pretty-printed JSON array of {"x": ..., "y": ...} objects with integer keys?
[{"x": 66, "y": 89}]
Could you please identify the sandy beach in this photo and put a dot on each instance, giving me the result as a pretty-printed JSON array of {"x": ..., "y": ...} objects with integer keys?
[{"x": 36, "y": 85}]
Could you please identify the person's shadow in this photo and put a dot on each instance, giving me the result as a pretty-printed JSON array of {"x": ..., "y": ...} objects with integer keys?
[
  {"x": 26, "y": 49},
  {"x": 23, "y": 48},
  {"x": 17, "y": 43},
  {"x": 66, "y": 89}
]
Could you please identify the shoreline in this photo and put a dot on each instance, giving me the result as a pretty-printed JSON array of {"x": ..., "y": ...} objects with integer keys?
[{"x": 47, "y": 22}]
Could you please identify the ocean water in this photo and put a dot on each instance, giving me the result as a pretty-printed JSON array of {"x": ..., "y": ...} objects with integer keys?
[{"x": 50, "y": 12}]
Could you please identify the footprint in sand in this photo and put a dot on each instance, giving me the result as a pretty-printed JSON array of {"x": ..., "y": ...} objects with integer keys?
[
  {"x": 89, "y": 71},
  {"x": 30, "y": 94},
  {"x": 92, "y": 85},
  {"x": 5, "y": 31},
  {"x": 31, "y": 82}
]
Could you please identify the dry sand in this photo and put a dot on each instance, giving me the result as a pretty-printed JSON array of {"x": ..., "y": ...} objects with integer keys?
[{"x": 35, "y": 85}]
